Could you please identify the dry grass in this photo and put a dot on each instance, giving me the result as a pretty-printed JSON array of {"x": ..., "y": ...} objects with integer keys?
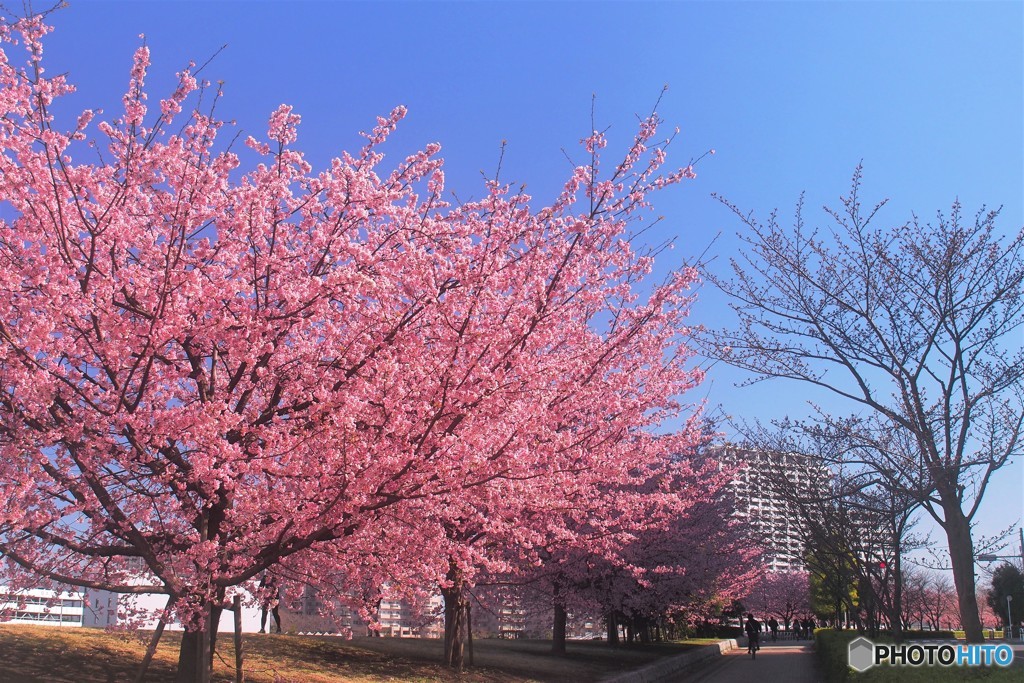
[{"x": 31, "y": 654}]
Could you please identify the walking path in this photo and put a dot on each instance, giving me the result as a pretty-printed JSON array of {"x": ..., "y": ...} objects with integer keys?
[{"x": 782, "y": 662}]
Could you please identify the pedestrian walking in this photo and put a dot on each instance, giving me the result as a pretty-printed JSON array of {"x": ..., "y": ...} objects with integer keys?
[{"x": 270, "y": 599}]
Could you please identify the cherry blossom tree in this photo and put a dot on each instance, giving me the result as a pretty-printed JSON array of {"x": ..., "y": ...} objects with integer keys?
[
  {"x": 679, "y": 555},
  {"x": 783, "y": 594},
  {"x": 213, "y": 366},
  {"x": 592, "y": 546},
  {"x": 553, "y": 383},
  {"x": 939, "y": 603},
  {"x": 680, "y": 571},
  {"x": 915, "y": 585}
]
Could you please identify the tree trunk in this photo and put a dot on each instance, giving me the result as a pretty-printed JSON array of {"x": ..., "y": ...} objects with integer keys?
[
  {"x": 613, "y": 628},
  {"x": 645, "y": 630},
  {"x": 469, "y": 630},
  {"x": 961, "y": 555},
  {"x": 558, "y": 632},
  {"x": 215, "y": 614},
  {"x": 195, "y": 658},
  {"x": 455, "y": 620},
  {"x": 896, "y": 616},
  {"x": 192, "y": 666}
]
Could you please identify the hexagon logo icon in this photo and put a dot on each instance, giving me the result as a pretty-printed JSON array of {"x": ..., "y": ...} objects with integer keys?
[{"x": 862, "y": 654}]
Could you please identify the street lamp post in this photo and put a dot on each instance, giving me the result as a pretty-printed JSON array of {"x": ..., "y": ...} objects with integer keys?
[{"x": 1009, "y": 620}]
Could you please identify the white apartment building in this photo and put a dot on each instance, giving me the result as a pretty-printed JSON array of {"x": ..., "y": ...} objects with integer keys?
[
  {"x": 89, "y": 607},
  {"x": 401, "y": 619},
  {"x": 755, "y": 489},
  {"x": 74, "y": 607}
]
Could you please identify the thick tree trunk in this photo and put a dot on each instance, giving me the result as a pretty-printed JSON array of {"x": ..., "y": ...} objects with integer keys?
[
  {"x": 613, "y": 628},
  {"x": 456, "y": 620},
  {"x": 645, "y": 630},
  {"x": 961, "y": 555},
  {"x": 192, "y": 666},
  {"x": 195, "y": 658},
  {"x": 558, "y": 632}
]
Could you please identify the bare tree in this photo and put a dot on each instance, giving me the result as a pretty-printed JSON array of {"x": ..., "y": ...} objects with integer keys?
[
  {"x": 856, "y": 531},
  {"x": 907, "y": 325},
  {"x": 915, "y": 584},
  {"x": 885, "y": 522},
  {"x": 938, "y": 601}
]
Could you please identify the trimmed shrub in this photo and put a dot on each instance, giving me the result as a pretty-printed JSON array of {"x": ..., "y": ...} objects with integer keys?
[
  {"x": 707, "y": 630},
  {"x": 832, "y": 648},
  {"x": 924, "y": 635}
]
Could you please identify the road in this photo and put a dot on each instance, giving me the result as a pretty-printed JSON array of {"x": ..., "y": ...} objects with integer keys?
[{"x": 781, "y": 662}]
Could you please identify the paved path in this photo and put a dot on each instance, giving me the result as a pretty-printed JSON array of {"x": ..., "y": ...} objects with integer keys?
[{"x": 780, "y": 662}]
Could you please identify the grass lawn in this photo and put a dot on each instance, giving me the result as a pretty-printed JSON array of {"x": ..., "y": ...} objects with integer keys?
[{"x": 38, "y": 654}]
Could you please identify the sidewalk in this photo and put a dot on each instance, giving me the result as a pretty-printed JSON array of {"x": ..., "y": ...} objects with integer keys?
[{"x": 780, "y": 662}]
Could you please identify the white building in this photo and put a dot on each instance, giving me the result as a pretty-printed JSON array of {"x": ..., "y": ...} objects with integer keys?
[
  {"x": 75, "y": 607},
  {"x": 755, "y": 489}
]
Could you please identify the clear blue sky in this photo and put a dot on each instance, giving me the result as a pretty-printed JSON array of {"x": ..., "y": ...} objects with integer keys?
[{"x": 930, "y": 95}]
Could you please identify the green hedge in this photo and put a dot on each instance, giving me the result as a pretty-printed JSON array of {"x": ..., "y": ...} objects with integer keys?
[
  {"x": 832, "y": 648},
  {"x": 920, "y": 635},
  {"x": 833, "y": 654},
  {"x": 716, "y": 631},
  {"x": 729, "y": 632}
]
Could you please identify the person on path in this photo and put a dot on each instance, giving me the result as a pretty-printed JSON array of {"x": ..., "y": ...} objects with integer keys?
[
  {"x": 773, "y": 626},
  {"x": 270, "y": 598},
  {"x": 753, "y": 629}
]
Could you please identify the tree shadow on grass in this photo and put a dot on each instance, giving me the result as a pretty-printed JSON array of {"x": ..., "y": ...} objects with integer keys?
[{"x": 30, "y": 654}]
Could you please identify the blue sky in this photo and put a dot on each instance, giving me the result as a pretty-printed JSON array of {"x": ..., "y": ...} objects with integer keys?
[{"x": 930, "y": 95}]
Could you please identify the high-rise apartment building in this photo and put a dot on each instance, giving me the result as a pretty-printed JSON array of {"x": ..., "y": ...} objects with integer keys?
[{"x": 763, "y": 489}]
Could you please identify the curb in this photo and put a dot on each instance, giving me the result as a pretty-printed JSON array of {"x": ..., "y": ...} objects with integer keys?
[{"x": 671, "y": 666}]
